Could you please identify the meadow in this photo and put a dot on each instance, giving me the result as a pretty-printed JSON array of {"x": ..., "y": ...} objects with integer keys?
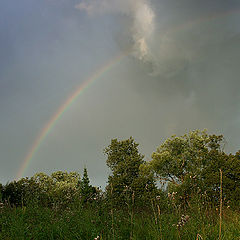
[
  {"x": 97, "y": 221},
  {"x": 198, "y": 198}
]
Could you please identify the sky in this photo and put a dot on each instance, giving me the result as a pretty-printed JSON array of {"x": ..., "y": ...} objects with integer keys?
[{"x": 177, "y": 70}]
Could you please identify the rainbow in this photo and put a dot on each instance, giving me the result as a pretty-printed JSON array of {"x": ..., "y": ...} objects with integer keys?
[
  {"x": 63, "y": 108},
  {"x": 88, "y": 82}
]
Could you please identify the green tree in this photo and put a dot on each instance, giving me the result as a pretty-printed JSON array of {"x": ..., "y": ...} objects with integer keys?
[
  {"x": 232, "y": 173},
  {"x": 12, "y": 193},
  {"x": 88, "y": 192},
  {"x": 184, "y": 156},
  {"x": 65, "y": 187},
  {"x": 191, "y": 163},
  {"x": 126, "y": 182},
  {"x": 85, "y": 181},
  {"x": 42, "y": 185},
  {"x": 59, "y": 189},
  {"x": 1, "y": 190},
  {"x": 230, "y": 166}
]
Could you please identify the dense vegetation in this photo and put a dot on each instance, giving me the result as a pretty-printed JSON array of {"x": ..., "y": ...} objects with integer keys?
[{"x": 197, "y": 196}]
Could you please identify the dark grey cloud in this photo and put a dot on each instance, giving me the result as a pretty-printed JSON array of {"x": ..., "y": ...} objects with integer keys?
[{"x": 184, "y": 76}]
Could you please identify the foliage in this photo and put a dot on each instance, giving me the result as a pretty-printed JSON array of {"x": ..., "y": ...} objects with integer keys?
[
  {"x": 37, "y": 222},
  {"x": 191, "y": 163},
  {"x": 127, "y": 184},
  {"x": 88, "y": 192},
  {"x": 12, "y": 193},
  {"x": 230, "y": 166},
  {"x": 178, "y": 157},
  {"x": 58, "y": 189},
  {"x": 1, "y": 190},
  {"x": 65, "y": 187},
  {"x": 65, "y": 206}
]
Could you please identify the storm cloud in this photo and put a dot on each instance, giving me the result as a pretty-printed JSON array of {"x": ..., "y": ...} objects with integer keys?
[
  {"x": 181, "y": 73},
  {"x": 140, "y": 24}
]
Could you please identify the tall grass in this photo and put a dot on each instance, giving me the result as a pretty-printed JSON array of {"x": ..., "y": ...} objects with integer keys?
[
  {"x": 101, "y": 219},
  {"x": 90, "y": 221},
  {"x": 220, "y": 214}
]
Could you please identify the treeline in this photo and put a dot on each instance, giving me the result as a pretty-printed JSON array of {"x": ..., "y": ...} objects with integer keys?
[{"x": 186, "y": 168}]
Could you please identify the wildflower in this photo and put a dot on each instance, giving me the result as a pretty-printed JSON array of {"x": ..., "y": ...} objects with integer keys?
[
  {"x": 173, "y": 195},
  {"x": 183, "y": 221},
  {"x": 97, "y": 238},
  {"x": 158, "y": 197}
]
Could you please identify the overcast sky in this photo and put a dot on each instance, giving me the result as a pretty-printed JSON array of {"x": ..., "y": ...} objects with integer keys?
[{"x": 181, "y": 73}]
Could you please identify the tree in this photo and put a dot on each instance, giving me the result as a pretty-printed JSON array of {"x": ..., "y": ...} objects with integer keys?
[
  {"x": 186, "y": 155},
  {"x": 10, "y": 194},
  {"x": 1, "y": 190},
  {"x": 230, "y": 166},
  {"x": 85, "y": 181},
  {"x": 87, "y": 190},
  {"x": 126, "y": 181},
  {"x": 191, "y": 163},
  {"x": 60, "y": 188},
  {"x": 65, "y": 187}
]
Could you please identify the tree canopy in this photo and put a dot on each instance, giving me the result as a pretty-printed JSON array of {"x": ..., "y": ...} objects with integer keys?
[
  {"x": 124, "y": 159},
  {"x": 191, "y": 163}
]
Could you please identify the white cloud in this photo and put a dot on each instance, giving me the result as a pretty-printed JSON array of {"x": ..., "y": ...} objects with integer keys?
[
  {"x": 168, "y": 47},
  {"x": 140, "y": 13}
]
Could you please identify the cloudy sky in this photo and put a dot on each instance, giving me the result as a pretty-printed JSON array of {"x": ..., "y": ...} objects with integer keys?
[{"x": 180, "y": 72}]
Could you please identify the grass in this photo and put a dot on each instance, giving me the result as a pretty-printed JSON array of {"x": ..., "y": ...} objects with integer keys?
[{"x": 86, "y": 223}]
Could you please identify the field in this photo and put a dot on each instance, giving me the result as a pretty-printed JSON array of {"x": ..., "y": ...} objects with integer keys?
[
  {"x": 89, "y": 221},
  {"x": 199, "y": 201}
]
